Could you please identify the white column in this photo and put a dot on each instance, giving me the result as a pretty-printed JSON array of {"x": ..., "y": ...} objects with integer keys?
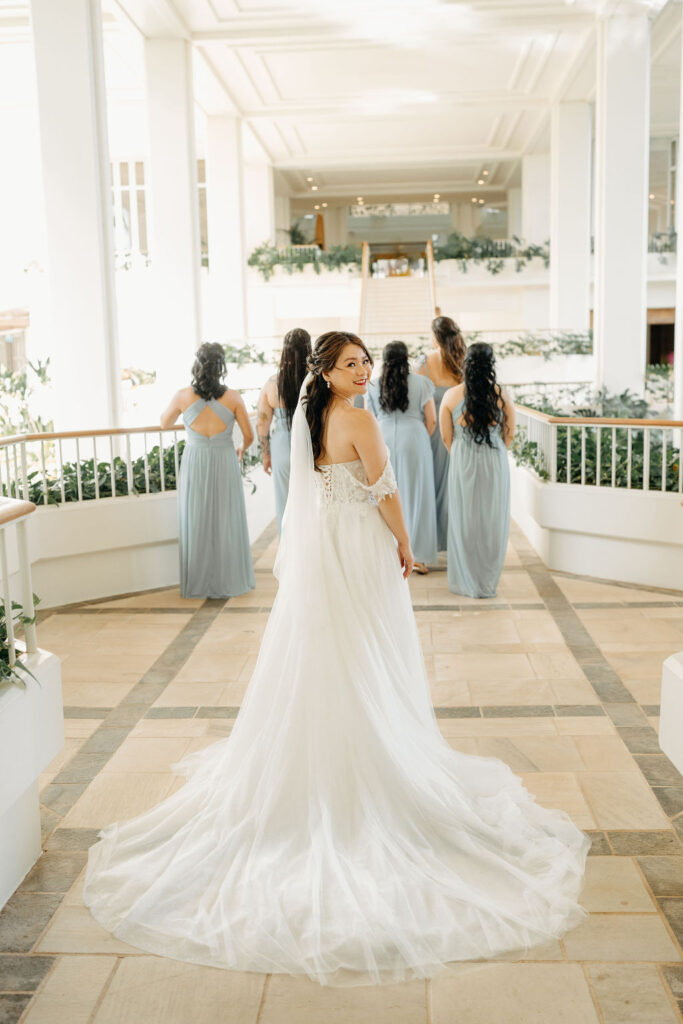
[
  {"x": 621, "y": 187},
  {"x": 536, "y": 198},
  {"x": 225, "y": 221},
  {"x": 570, "y": 211},
  {"x": 678, "y": 330},
  {"x": 283, "y": 218},
  {"x": 514, "y": 212},
  {"x": 259, "y": 205},
  {"x": 174, "y": 241},
  {"x": 67, "y": 39}
]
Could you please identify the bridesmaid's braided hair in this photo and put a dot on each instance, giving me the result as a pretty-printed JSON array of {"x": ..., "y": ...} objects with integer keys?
[
  {"x": 326, "y": 352},
  {"x": 483, "y": 395},
  {"x": 208, "y": 371},
  {"x": 393, "y": 381},
  {"x": 296, "y": 350},
  {"x": 451, "y": 345}
]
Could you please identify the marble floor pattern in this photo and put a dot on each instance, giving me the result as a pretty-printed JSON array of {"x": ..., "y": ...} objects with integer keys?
[{"x": 557, "y": 675}]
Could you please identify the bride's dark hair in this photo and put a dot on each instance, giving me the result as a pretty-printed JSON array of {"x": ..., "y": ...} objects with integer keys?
[
  {"x": 451, "y": 344},
  {"x": 326, "y": 352},
  {"x": 296, "y": 350},
  {"x": 208, "y": 371},
  {"x": 482, "y": 393},
  {"x": 393, "y": 381}
]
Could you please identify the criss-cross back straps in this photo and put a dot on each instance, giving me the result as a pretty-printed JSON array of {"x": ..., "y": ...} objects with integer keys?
[{"x": 222, "y": 411}]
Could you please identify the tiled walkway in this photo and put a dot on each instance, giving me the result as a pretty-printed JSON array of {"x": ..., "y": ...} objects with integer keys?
[{"x": 558, "y": 676}]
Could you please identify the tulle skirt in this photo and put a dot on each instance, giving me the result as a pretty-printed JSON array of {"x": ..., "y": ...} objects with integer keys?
[{"x": 335, "y": 833}]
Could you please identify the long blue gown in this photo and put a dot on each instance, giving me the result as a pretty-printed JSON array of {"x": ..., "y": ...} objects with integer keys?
[
  {"x": 280, "y": 440},
  {"x": 407, "y": 439},
  {"x": 440, "y": 461},
  {"x": 478, "y": 512},
  {"x": 215, "y": 556}
]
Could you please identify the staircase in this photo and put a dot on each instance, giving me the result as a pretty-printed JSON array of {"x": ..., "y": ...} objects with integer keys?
[{"x": 395, "y": 307}]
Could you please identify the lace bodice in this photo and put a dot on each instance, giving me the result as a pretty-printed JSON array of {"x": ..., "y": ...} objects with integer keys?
[{"x": 345, "y": 483}]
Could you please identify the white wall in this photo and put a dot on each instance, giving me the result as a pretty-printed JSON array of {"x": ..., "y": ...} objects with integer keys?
[{"x": 629, "y": 536}]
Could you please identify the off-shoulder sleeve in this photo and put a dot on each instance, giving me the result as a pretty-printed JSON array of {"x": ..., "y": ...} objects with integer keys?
[{"x": 386, "y": 485}]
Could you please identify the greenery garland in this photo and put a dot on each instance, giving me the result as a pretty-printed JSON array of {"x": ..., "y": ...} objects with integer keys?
[
  {"x": 490, "y": 251},
  {"x": 267, "y": 257},
  {"x": 11, "y": 673}
]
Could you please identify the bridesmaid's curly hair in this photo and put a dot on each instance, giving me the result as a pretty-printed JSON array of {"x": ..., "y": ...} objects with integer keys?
[
  {"x": 296, "y": 350},
  {"x": 393, "y": 381},
  {"x": 483, "y": 395},
  {"x": 326, "y": 351},
  {"x": 208, "y": 371},
  {"x": 451, "y": 345}
]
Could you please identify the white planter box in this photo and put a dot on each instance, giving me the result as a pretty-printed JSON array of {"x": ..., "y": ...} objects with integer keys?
[
  {"x": 671, "y": 712},
  {"x": 31, "y": 735}
]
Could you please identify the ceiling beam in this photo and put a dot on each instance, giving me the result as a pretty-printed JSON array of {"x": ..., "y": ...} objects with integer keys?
[
  {"x": 387, "y": 159},
  {"x": 323, "y": 109}
]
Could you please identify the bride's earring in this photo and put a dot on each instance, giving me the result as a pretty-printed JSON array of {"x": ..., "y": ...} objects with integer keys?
[{"x": 328, "y": 383}]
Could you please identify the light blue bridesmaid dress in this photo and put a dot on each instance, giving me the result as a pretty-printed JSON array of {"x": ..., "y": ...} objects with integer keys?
[
  {"x": 280, "y": 440},
  {"x": 478, "y": 512},
  {"x": 215, "y": 556},
  {"x": 440, "y": 461},
  {"x": 407, "y": 439}
]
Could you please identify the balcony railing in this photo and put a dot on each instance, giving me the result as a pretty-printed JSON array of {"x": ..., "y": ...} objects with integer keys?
[
  {"x": 15, "y": 513},
  {"x": 631, "y": 454}
]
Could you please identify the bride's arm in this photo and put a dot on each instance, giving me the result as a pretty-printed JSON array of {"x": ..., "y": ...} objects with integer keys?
[{"x": 372, "y": 451}]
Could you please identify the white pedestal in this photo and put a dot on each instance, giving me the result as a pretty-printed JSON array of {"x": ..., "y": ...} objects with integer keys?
[
  {"x": 31, "y": 734},
  {"x": 671, "y": 714}
]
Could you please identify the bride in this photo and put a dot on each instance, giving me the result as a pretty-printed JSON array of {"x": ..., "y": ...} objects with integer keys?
[{"x": 335, "y": 833}]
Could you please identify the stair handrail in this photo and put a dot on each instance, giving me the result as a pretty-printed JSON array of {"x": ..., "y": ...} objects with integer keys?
[
  {"x": 430, "y": 272},
  {"x": 364, "y": 274}
]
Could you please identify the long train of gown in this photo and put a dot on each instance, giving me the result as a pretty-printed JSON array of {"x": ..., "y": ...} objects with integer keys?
[{"x": 335, "y": 830}]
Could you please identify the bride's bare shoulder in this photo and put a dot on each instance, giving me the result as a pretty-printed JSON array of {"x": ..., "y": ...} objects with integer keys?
[{"x": 360, "y": 422}]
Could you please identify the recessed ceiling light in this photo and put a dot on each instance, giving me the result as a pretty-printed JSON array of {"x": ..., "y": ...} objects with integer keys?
[
  {"x": 481, "y": 202},
  {"x": 437, "y": 195},
  {"x": 652, "y": 195},
  {"x": 359, "y": 199},
  {"x": 316, "y": 207},
  {"x": 309, "y": 179},
  {"x": 474, "y": 199},
  {"x": 324, "y": 205},
  {"x": 314, "y": 188},
  {"x": 480, "y": 182},
  {"x": 484, "y": 173}
]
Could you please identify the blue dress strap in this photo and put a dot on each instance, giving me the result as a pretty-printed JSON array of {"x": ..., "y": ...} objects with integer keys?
[
  {"x": 193, "y": 411},
  {"x": 222, "y": 411}
]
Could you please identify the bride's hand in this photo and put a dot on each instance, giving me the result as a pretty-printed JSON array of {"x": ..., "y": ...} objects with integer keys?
[{"x": 406, "y": 558}]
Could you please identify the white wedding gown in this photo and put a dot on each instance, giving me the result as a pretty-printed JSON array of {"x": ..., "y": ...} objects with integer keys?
[{"x": 335, "y": 833}]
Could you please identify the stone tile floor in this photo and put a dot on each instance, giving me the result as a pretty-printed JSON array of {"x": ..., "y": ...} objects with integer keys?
[{"x": 557, "y": 675}]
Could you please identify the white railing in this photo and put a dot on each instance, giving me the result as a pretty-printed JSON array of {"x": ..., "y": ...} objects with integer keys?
[
  {"x": 632, "y": 454},
  {"x": 15, "y": 513},
  {"x": 86, "y": 465}
]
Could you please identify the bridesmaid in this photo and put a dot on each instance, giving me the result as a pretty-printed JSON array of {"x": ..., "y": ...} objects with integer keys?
[
  {"x": 477, "y": 422},
  {"x": 403, "y": 403},
  {"x": 277, "y": 403},
  {"x": 444, "y": 368},
  {"x": 215, "y": 556}
]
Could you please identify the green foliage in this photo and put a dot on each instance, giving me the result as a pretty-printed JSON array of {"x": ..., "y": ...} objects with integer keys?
[
  {"x": 296, "y": 235},
  {"x": 145, "y": 478},
  {"x": 11, "y": 673},
  {"x": 556, "y": 343},
  {"x": 266, "y": 257},
  {"x": 138, "y": 376},
  {"x": 659, "y": 383},
  {"x": 662, "y": 242},
  {"x": 16, "y": 390},
  {"x": 244, "y": 355},
  {"x": 602, "y": 443},
  {"x": 490, "y": 251}
]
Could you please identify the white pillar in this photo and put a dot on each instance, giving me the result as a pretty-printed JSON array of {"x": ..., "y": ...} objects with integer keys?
[
  {"x": 514, "y": 212},
  {"x": 67, "y": 39},
  {"x": 536, "y": 198},
  {"x": 622, "y": 112},
  {"x": 678, "y": 330},
  {"x": 570, "y": 211},
  {"x": 225, "y": 221},
  {"x": 283, "y": 218},
  {"x": 259, "y": 205},
  {"x": 174, "y": 242}
]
